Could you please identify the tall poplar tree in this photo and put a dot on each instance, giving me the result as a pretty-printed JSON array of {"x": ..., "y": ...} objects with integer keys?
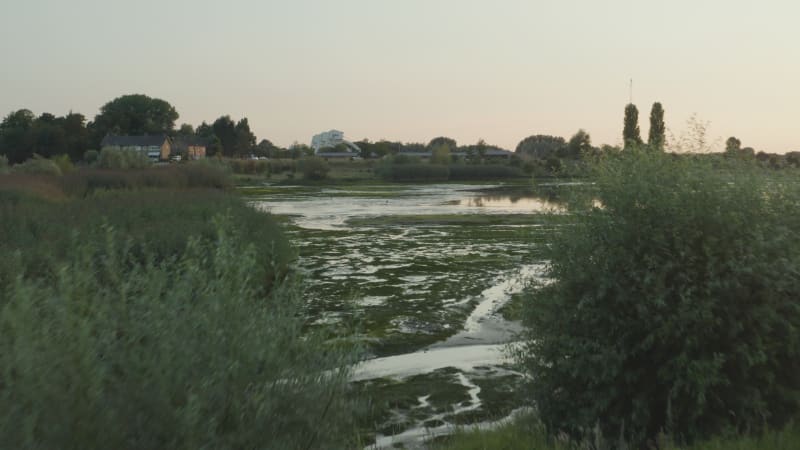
[
  {"x": 630, "y": 133},
  {"x": 657, "y": 135}
]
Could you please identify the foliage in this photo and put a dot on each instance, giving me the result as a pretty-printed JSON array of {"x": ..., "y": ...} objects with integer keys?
[
  {"x": 313, "y": 168},
  {"x": 442, "y": 140},
  {"x": 134, "y": 115},
  {"x": 540, "y": 146},
  {"x": 388, "y": 170},
  {"x": 22, "y": 185},
  {"x": 184, "y": 176},
  {"x": 235, "y": 138},
  {"x": 694, "y": 139},
  {"x": 402, "y": 158},
  {"x": 630, "y": 132},
  {"x": 111, "y": 158},
  {"x": 674, "y": 305},
  {"x": 118, "y": 349},
  {"x": 483, "y": 172},
  {"x": 91, "y": 156},
  {"x": 63, "y": 162},
  {"x": 526, "y": 434},
  {"x": 733, "y": 145},
  {"x": 579, "y": 144},
  {"x": 38, "y": 166},
  {"x": 22, "y": 135},
  {"x": 657, "y": 135},
  {"x": 282, "y": 165},
  {"x": 3, "y": 164},
  {"x": 249, "y": 166},
  {"x": 245, "y": 139},
  {"x": 440, "y": 154}
]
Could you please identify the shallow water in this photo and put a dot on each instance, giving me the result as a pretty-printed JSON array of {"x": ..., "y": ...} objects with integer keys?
[
  {"x": 330, "y": 208},
  {"x": 424, "y": 298}
]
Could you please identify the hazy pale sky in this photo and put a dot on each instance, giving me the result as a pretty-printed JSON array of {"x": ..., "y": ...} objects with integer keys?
[{"x": 412, "y": 70}]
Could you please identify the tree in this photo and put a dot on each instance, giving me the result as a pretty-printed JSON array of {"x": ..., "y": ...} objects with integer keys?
[
  {"x": 442, "y": 140},
  {"x": 266, "y": 148},
  {"x": 48, "y": 136},
  {"x": 733, "y": 145},
  {"x": 630, "y": 132},
  {"x": 313, "y": 168},
  {"x": 245, "y": 139},
  {"x": 579, "y": 144},
  {"x": 657, "y": 135},
  {"x": 186, "y": 130},
  {"x": 481, "y": 148},
  {"x": 673, "y": 308},
  {"x": 213, "y": 144},
  {"x": 76, "y": 134},
  {"x": 225, "y": 130},
  {"x": 16, "y": 139},
  {"x": 440, "y": 154},
  {"x": 540, "y": 146},
  {"x": 135, "y": 114}
]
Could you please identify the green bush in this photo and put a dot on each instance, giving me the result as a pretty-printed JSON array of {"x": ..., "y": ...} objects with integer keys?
[
  {"x": 122, "y": 159},
  {"x": 91, "y": 156},
  {"x": 37, "y": 166},
  {"x": 158, "y": 223},
  {"x": 3, "y": 164},
  {"x": 185, "y": 352},
  {"x": 64, "y": 163},
  {"x": 313, "y": 168},
  {"x": 674, "y": 307}
]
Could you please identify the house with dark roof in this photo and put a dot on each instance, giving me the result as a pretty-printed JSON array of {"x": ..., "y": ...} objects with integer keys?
[
  {"x": 189, "y": 147},
  {"x": 157, "y": 147}
]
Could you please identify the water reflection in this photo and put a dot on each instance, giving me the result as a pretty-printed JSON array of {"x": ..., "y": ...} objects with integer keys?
[
  {"x": 330, "y": 209},
  {"x": 513, "y": 203}
]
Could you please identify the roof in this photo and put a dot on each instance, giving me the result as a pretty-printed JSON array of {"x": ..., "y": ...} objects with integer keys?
[
  {"x": 193, "y": 141},
  {"x": 337, "y": 154},
  {"x": 134, "y": 141},
  {"x": 489, "y": 152}
]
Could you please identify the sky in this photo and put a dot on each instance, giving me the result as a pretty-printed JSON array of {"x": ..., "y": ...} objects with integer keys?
[{"x": 411, "y": 70}]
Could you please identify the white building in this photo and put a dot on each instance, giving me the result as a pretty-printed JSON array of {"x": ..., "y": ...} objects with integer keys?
[
  {"x": 327, "y": 139},
  {"x": 330, "y": 139}
]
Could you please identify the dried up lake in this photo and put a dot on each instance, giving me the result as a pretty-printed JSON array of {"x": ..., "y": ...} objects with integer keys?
[{"x": 424, "y": 273}]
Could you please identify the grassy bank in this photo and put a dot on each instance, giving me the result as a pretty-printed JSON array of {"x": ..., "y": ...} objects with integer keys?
[
  {"x": 157, "y": 314},
  {"x": 521, "y": 435}
]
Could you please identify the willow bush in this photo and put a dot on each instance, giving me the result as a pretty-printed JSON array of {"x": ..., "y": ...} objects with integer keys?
[
  {"x": 184, "y": 352},
  {"x": 674, "y": 307}
]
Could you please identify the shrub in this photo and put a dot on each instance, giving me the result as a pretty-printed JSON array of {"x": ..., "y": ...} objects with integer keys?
[
  {"x": 64, "y": 163},
  {"x": 3, "y": 164},
  {"x": 91, "y": 156},
  {"x": 37, "y": 166},
  {"x": 183, "y": 353},
  {"x": 674, "y": 306},
  {"x": 313, "y": 168},
  {"x": 122, "y": 159}
]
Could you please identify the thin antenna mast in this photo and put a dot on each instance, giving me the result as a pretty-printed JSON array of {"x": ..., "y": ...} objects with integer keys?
[{"x": 631, "y": 92}]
